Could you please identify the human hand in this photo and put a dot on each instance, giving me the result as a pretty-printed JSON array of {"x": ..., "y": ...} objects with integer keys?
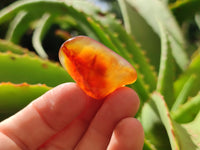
[{"x": 65, "y": 118}]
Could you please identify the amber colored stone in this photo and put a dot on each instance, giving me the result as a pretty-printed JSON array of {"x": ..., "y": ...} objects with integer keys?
[{"x": 96, "y": 69}]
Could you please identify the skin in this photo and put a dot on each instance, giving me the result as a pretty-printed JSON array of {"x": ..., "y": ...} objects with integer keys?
[{"x": 65, "y": 118}]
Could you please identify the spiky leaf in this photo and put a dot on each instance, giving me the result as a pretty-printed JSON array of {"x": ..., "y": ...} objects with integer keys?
[
  {"x": 193, "y": 70},
  {"x": 9, "y": 46},
  {"x": 14, "y": 97},
  {"x": 152, "y": 15},
  {"x": 23, "y": 68},
  {"x": 166, "y": 71},
  {"x": 187, "y": 111},
  {"x": 184, "y": 93},
  {"x": 143, "y": 33},
  {"x": 155, "y": 115},
  {"x": 18, "y": 27},
  {"x": 194, "y": 132},
  {"x": 43, "y": 26}
]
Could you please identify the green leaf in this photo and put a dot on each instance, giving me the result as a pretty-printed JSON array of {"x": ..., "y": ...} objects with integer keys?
[
  {"x": 197, "y": 19},
  {"x": 103, "y": 37},
  {"x": 166, "y": 119},
  {"x": 142, "y": 32},
  {"x": 193, "y": 70},
  {"x": 42, "y": 27},
  {"x": 184, "y": 93},
  {"x": 166, "y": 71},
  {"x": 194, "y": 131},
  {"x": 33, "y": 6},
  {"x": 184, "y": 138},
  {"x": 185, "y": 9},
  {"x": 33, "y": 70},
  {"x": 6, "y": 46},
  {"x": 18, "y": 26},
  {"x": 155, "y": 10},
  {"x": 14, "y": 97},
  {"x": 188, "y": 111},
  {"x": 155, "y": 114},
  {"x": 148, "y": 145},
  {"x": 153, "y": 126}
]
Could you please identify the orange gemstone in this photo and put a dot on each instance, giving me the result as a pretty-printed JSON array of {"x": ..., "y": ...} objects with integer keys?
[{"x": 96, "y": 69}]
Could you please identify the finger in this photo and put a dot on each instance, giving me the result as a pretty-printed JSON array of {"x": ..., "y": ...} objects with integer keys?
[
  {"x": 7, "y": 144},
  {"x": 44, "y": 117},
  {"x": 71, "y": 135},
  {"x": 123, "y": 103},
  {"x": 128, "y": 135}
]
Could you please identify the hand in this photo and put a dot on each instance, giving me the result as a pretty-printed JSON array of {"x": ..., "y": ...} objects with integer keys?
[{"x": 65, "y": 118}]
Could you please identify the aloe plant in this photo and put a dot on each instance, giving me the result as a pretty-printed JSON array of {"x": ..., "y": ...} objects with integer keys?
[{"x": 152, "y": 38}]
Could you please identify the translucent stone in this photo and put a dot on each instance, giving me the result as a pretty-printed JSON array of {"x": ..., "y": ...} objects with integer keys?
[{"x": 96, "y": 69}]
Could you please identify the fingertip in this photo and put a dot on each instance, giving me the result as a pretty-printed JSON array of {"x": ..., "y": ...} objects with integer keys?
[
  {"x": 126, "y": 127},
  {"x": 127, "y": 135},
  {"x": 125, "y": 95}
]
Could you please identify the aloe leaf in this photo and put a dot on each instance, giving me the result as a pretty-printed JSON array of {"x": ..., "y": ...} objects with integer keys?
[
  {"x": 189, "y": 134},
  {"x": 152, "y": 15},
  {"x": 194, "y": 132},
  {"x": 104, "y": 38},
  {"x": 36, "y": 8},
  {"x": 193, "y": 69},
  {"x": 183, "y": 95},
  {"x": 166, "y": 1},
  {"x": 197, "y": 19},
  {"x": 17, "y": 27},
  {"x": 178, "y": 138},
  {"x": 187, "y": 112},
  {"x": 33, "y": 7},
  {"x": 166, "y": 75},
  {"x": 6, "y": 46},
  {"x": 41, "y": 29},
  {"x": 153, "y": 126},
  {"x": 185, "y": 140},
  {"x": 142, "y": 32},
  {"x": 179, "y": 135},
  {"x": 23, "y": 68},
  {"x": 14, "y": 97},
  {"x": 148, "y": 145},
  {"x": 185, "y": 9},
  {"x": 166, "y": 119}
]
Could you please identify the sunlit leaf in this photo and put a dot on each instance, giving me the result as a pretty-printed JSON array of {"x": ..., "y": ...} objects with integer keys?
[
  {"x": 33, "y": 70},
  {"x": 156, "y": 11},
  {"x": 14, "y": 97},
  {"x": 166, "y": 71}
]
